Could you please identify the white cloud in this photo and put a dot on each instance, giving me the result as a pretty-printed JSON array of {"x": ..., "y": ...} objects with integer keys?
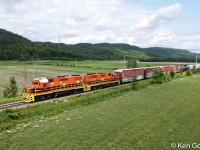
[
  {"x": 160, "y": 17},
  {"x": 95, "y": 21}
]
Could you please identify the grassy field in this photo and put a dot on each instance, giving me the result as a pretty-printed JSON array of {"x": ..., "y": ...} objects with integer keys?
[
  {"x": 24, "y": 72},
  {"x": 151, "y": 118}
]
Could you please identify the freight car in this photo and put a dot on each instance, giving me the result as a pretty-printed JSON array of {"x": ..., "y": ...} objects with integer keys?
[
  {"x": 45, "y": 88},
  {"x": 127, "y": 75}
]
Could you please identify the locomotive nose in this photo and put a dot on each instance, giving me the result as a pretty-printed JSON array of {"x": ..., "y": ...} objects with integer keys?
[{"x": 27, "y": 98}]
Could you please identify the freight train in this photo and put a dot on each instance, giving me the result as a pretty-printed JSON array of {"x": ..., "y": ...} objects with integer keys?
[{"x": 43, "y": 88}]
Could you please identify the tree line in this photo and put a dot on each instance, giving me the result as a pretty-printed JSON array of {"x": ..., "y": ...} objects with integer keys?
[{"x": 16, "y": 47}]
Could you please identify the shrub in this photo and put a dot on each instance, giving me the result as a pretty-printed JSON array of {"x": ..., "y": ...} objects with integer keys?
[
  {"x": 181, "y": 72},
  {"x": 194, "y": 70},
  {"x": 158, "y": 76},
  {"x": 178, "y": 76},
  {"x": 198, "y": 70},
  {"x": 172, "y": 74},
  {"x": 131, "y": 64},
  {"x": 166, "y": 78},
  {"x": 144, "y": 84},
  {"x": 11, "y": 90},
  {"x": 188, "y": 73},
  {"x": 135, "y": 85},
  {"x": 148, "y": 65}
]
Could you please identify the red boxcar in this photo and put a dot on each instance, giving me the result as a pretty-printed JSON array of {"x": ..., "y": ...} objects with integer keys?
[
  {"x": 166, "y": 69},
  {"x": 174, "y": 68},
  {"x": 178, "y": 68},
  {"x": 127, "y": 75},
  {"x": 148, "y": 72}
]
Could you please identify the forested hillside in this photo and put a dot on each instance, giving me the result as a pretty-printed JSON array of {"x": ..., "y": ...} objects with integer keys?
[
  {"x": 168, "y": 54},
  {"x": 15, "y": 47}
]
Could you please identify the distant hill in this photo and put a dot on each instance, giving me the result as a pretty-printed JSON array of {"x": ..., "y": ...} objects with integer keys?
[
  {"x": 168, "y": 54},
  {"x": 16, "y": 47}
]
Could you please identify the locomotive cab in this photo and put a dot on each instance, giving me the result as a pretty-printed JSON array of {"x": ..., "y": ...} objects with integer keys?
[{"x": 40, "y": 82}]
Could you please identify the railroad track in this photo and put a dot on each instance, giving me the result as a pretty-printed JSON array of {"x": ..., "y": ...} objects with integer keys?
[
  {"x": 20, "y": 104},
  {"x": 11, "y": 105}
]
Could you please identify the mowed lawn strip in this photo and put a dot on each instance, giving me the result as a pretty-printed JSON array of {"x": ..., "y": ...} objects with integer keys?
[{"x": 151, "y": 118}]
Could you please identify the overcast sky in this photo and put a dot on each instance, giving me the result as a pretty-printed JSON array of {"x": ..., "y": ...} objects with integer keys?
[{"x": 144, "y": 23}]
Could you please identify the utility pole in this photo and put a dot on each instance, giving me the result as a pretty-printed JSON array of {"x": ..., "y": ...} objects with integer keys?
[
  {"x": 124, "y": 62},
  {"x": 25, "y": 75},
  {"x": 59, "y": 43},
  {"x": 25, "y": 71},
  {"x": 75, "y": 62},
  {"x": 196, "y": 60}
]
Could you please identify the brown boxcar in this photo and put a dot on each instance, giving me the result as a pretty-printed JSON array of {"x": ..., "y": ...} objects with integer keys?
[{"x": 127, "y": 75}]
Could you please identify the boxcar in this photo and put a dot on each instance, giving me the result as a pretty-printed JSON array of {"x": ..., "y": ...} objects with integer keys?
[
  {"x": 148, "y": 72},
  {"x": 166, "y": 69},
  {"x": 127, "y": 75},
  {"x": 177, "y": 68}
]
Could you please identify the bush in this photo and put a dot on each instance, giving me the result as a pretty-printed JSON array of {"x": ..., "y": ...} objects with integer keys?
[
  {"x": 148, "y": 65},
  {"x": 178, "y": 76},
  {"x": 135, "y": 85},
  {"x": 158, "y": 76},
  {"x": 195, "y": 70},
  {"x": 181, "y": 72},
  {"x": 172, "y": 74},
  {"x": 198, "y": 70},
  {"x": 143, "y": 84},
  {"x": 131, "y": 64},
  {"x": 188, "y": 73},
  {"x": 167, "y": 78},
  {"x": 11, "y": 90}
]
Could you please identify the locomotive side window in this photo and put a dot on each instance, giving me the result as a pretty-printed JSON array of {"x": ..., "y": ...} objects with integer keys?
[
  {"x": 50, "y": 80},
  {"x": 35, "y": 83}
]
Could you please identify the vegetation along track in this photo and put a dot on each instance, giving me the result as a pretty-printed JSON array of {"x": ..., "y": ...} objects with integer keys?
[{"x": 20, "y": 104}]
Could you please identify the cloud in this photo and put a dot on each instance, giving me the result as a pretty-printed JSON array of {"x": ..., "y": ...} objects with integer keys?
[
  {"x": 33, "y": 34},
  {"x": 160, "y": 17},
  {"x": 94, "y": 21},
  {"x": 12, "y": 6}
]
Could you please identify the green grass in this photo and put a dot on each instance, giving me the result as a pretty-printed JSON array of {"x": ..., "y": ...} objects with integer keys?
[
  {"x": 9, "y": 100},
  {"x": 150, "y": 118}
]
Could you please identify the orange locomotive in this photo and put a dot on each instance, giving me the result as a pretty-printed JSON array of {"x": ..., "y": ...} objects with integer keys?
[
  {"x": 100, "y": 80},
  {"x": 43, "y": 88}
]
